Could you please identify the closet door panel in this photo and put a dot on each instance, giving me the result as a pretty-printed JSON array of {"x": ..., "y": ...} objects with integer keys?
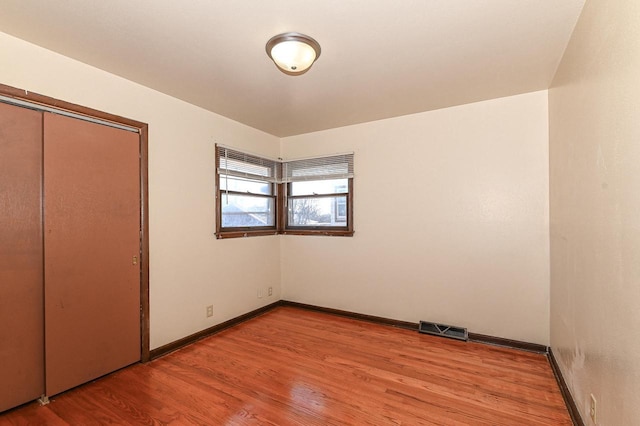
[
  {"x": 21, "y": 306},
  {"x": 91, "y": 236}
]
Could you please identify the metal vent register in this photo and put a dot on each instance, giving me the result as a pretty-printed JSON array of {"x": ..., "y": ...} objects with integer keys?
[{"x": 453, "y": 332}]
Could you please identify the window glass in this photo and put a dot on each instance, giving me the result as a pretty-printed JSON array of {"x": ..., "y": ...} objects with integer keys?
[
  {"x": 239, "y": 211},
  {"x": 320, "y": 211},
  {"x": 229, "y": 183}
]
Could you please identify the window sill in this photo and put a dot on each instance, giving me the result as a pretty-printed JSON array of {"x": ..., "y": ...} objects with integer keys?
[
  {"x": 319, "y": 232},
  {"x": 242, "y": 234}
]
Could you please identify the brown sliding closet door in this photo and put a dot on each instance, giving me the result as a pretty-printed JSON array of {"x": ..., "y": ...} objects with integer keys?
[
  {"x": 92, "y": 247},
  {"x": 21, "y": 317}
]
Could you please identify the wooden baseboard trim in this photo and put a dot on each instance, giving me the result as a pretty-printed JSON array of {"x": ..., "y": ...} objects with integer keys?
[
  {"x": 353, "y": 315},
  {"x": 170, "y": 347},
  {"x": 481, "y": 338},
  {"x": 564, "y": 389},
  {"x": 508, "y": 343}
]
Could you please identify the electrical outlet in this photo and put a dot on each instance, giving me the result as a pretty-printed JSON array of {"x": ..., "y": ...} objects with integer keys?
[
  {"x": 592, "y": 410},
  {"x": 259, "y": 293},
  {"x": 209, "y": 311},
  {"x": 270, "y": 291}
]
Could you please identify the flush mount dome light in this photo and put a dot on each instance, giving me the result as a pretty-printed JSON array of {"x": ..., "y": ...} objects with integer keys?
[{"x": 293, "y": 53}]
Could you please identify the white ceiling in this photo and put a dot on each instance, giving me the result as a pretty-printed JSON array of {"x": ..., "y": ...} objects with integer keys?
[{"x": 380, "y": 58}]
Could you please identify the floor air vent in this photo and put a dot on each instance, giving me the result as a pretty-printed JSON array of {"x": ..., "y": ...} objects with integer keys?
[{"x": 450, "y": 331}]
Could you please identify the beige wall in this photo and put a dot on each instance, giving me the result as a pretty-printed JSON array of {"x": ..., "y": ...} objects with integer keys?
[
  {"x": 594, "y": 110},
  {"x": 451, "y": 220},
  {"x": 189, "y": 267}
]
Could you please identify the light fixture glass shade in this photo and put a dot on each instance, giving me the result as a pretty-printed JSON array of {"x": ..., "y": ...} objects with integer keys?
[{"x": 293, "y": 53}]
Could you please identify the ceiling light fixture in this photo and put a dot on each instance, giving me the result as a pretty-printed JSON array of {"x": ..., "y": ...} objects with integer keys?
[{"x": 293, "y": 53}]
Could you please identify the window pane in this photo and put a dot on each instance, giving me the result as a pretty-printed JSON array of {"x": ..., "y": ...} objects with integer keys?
[
  {"x": 325, "y": 211},
  {"x": 332, "y": 186},
  {"x": 247, "y": 211},
  {"x": 245, "y": 185}
]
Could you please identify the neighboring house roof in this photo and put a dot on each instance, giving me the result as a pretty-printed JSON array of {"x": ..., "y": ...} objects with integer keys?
[{"x": 233, "y": 217}]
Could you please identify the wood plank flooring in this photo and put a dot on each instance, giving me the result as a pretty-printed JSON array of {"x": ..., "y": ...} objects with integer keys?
[{"x": 296, "y": 367}]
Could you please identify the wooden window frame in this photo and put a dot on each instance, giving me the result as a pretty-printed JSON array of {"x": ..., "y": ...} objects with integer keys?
[
  {"x": 280, "y": 194},
  {"x": 245, "y": 231},
  {"x": 336, "y": 231}
]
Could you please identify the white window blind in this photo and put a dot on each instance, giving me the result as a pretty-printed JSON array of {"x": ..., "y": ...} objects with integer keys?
[
  {"x": 248, "y": 166},
  {"x": 318, "y": 168},
  {"x": 240, "y": 164}
]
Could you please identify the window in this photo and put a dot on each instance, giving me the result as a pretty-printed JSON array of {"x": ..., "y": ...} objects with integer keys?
[
  {"x": 246, "y": 198},
  {"x": 259, "y": 196},
  {"x": 319, "y": 195}
]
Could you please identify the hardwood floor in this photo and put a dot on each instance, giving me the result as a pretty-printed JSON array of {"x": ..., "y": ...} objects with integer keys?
[{"x": 297, "y": 367}]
